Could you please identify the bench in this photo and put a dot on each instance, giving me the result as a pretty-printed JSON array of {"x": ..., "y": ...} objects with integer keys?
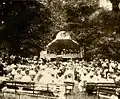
[
  {"x": 69, "y": 86},
  {"x": 26, "y": 87},
  {"x": 50, "y": 89},
  {"x": 18, "y": 85},
  {"x": 102, "y": 89}
]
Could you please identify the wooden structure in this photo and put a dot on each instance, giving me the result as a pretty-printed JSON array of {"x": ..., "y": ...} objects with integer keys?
[
  {"x": 69, "y": 86},
  {"x": 103, "y": 89},
  {"x": 27, "y": 90},
  {"x": 65, "y": 46}
]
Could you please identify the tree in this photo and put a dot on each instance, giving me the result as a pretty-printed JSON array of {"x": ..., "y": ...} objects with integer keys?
[
  {"x": 115, "y": 5},
  {"x": 23, "y": 22}
]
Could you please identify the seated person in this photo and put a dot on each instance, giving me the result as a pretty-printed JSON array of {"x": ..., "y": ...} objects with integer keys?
[
  {"x": 18, "y": 75},
  {"x": 27, "y": 77}
]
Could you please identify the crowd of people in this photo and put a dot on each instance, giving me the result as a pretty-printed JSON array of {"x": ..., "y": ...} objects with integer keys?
[{"x": 77, "y": 71}]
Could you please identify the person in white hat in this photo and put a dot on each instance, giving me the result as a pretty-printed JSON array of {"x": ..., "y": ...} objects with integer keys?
[
  {"x": 27, "y": 77},
  {"x": 18, "y": 75},
  {"x": 32, "y": 74}
]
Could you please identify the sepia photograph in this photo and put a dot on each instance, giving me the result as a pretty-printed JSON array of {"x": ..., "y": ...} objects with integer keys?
[{"x": 59, "y": 49}]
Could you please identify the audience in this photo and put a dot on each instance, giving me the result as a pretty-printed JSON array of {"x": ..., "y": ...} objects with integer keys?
[{"x": 98, "y": 70}]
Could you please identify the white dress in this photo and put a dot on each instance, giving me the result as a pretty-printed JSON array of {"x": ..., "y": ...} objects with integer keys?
[
  {"x": 114, "y": 97},
  {"x": 26, "y": 78}
]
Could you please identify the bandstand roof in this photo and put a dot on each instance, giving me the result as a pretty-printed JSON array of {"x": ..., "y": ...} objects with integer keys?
[{"x": 63, "y": 40}]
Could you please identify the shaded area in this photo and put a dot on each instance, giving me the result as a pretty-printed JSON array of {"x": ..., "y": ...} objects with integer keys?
[{"x": 63, "y": 44}]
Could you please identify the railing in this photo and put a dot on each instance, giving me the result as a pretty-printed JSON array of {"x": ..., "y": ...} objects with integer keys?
[
  {"x": 28, "y": 88},
  {"x": 19, "y": 85},
  {"x": 48, "y": 91},
  {"x": 69, "y": 86},
  {"x": 103, "y": 89}
]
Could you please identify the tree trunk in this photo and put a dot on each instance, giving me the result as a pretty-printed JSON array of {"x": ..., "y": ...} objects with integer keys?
[
  {"x": 9, "y": 60},
  {"x": 4, "y": 58},
  {"x": 115, "y": 4},
  {"x": 38, "y": 53},
  {"x": 85, "y": 55}
]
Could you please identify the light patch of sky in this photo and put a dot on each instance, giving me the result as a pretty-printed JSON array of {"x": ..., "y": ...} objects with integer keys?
[
  {"x": 4, "y": 3},
  {"x": 2, "y": 22},
  {"x": 105, "y": 4}
]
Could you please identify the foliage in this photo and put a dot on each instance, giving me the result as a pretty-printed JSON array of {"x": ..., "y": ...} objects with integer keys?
[
  {"x": 22, "y": 24},
  {"x": 110, "y": 39},
  {"x": 26, "y": 27}
]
